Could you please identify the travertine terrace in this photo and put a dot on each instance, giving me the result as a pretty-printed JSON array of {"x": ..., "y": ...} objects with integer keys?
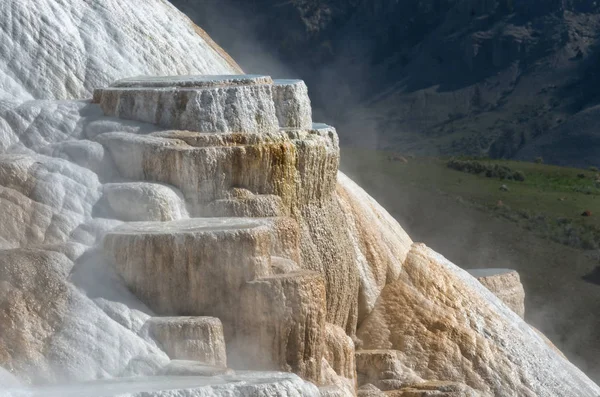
[
  {"x": 505, "y": 284},
  {"x": 186, "y": 229}
]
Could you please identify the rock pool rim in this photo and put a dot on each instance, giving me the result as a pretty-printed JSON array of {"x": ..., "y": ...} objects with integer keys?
[
  {"x": 192, "y": 81},
  {"x": 189, "y": 226}
]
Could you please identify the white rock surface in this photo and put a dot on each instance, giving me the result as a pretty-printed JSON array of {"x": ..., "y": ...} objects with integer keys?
[
  {"x": 45, "y": 199},
  {"x": 292, "y": 104},
  {"x": 241, "y": 384},
  {"x": 240, "y": 104},
  {"x": 65, "y": 313},
  {"x": 505, "y": 284},
  {"x": 52, "y": 332},
  {"x": 63, "y": 50},
  {"x": 143, "y": 201}
]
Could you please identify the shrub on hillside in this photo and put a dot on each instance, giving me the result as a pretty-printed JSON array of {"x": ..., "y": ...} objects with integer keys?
[{"x": 491, "y": 171}]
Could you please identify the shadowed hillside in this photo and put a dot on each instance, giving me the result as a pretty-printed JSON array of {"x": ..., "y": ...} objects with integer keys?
[{"x": 504, "y": 78}]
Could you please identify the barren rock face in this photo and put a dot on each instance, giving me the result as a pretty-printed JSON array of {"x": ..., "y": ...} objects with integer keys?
[
  {"x": 383, "y": 369},
  {"x": 292, "y": 104},
  {"x": 505, "y": 284},
  {"x": 44, "y": 199},
  {"x": 146, "y": 38},
  {"x": 379, "y": 243},
  {"x": 281, "y": 324},
  {"x": 222, "y": 267},
  {"x": 290, "y": 255},
  {"x": 7, "y": 379},
  {"x": 339, "y": 352},
  {"x": 246, "y": 384},
  {"x": 190, "y": 338},
  {"x": 207, "y": 261},
  {"x": 447, "y": 326},
  {"x": 241, "y": 104},
  {"x": 52, "y": 332},
  {"x": 139, "y": 201},
  {"x": 435, "y": 389}
]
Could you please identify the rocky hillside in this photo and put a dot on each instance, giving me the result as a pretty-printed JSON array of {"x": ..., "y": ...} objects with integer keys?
[
  {"x": 185, "y": 230},
  {"x": 502, "y": 78}
]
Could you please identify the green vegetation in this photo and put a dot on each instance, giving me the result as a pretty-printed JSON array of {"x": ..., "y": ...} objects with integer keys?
[
  {"x": 489, "y": 170},
  {"x": 558, "y": 203}
]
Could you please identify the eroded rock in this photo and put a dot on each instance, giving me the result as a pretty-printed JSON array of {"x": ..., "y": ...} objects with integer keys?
[
  {"x": 383, "y": 370},
  {"x": 445, "y": 325},
  {"x": 436, "y": 389},
  {"x": 292, "y": 104},
  {"x": 190, "y": 338},
  {"x": 193, "y": 368},
  {"x": 281, "y": 324},
  {"x": 241, "y": 104},
  {"x": 339, "y": 352},
  {"x": 222, "y": 267},
  {"x": 142, "y": 201},
  {"x": 51, "y": 332},
  {"x": 505, "y": 284}
]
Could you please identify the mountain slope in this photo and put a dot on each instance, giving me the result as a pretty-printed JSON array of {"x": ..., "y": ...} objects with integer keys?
[{"x": 423, "y": 76}]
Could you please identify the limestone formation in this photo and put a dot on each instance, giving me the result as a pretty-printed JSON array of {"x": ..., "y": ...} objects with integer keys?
[
  {"x": 44, "y": 199},
  {"x": 379, "y": 243},
  {"x": 141, "y": 201},
  {"x": 292, "y": 104},
  {"x": 242, "y": 384},
  {"x": 446, "y": 326},
  {"x": 383, "y": 369},
  {"x": 7, "y": 379},
  {"x": 190, "y": 338},
  {"x": 84, "y": 153},
  {"x": 240, "y": 104},
  {"x": 53, "y": 333},
  {"x": 193, "y": 368},
  {"x": 281, "y": 324},
  {"x": 339, "y": 352},
  {"x": 435, "y": 389},
  {"x": 234, "y": 208},
  {"x": 150, "y": 38},
  {"x": 505, "y": 284},
  {"x": 222, "y": 267},
  {"x": 369, "y": 390},
  {"x": 207, "y": 261}
]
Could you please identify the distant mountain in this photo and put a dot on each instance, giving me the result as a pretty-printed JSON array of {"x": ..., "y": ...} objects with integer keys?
[{"x": 505, "y": 78}]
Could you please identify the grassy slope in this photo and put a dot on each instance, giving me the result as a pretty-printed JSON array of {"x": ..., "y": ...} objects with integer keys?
[{"x": 457, "y": 214}]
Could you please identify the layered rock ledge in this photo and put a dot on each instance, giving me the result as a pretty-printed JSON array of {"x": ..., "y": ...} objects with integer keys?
[
  {"x": 223, "y": 267},
  {"x": 505, "y": 284},
  {"x": 243, "y": 104}
]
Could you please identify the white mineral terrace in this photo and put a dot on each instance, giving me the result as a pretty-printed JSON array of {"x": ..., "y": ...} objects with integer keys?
[
  {"x": 193, "y": 81},
  {"x": 243, "y": 383},
  {"x": 189, "y": 226},
  {"x": 235, "y": 103}
]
